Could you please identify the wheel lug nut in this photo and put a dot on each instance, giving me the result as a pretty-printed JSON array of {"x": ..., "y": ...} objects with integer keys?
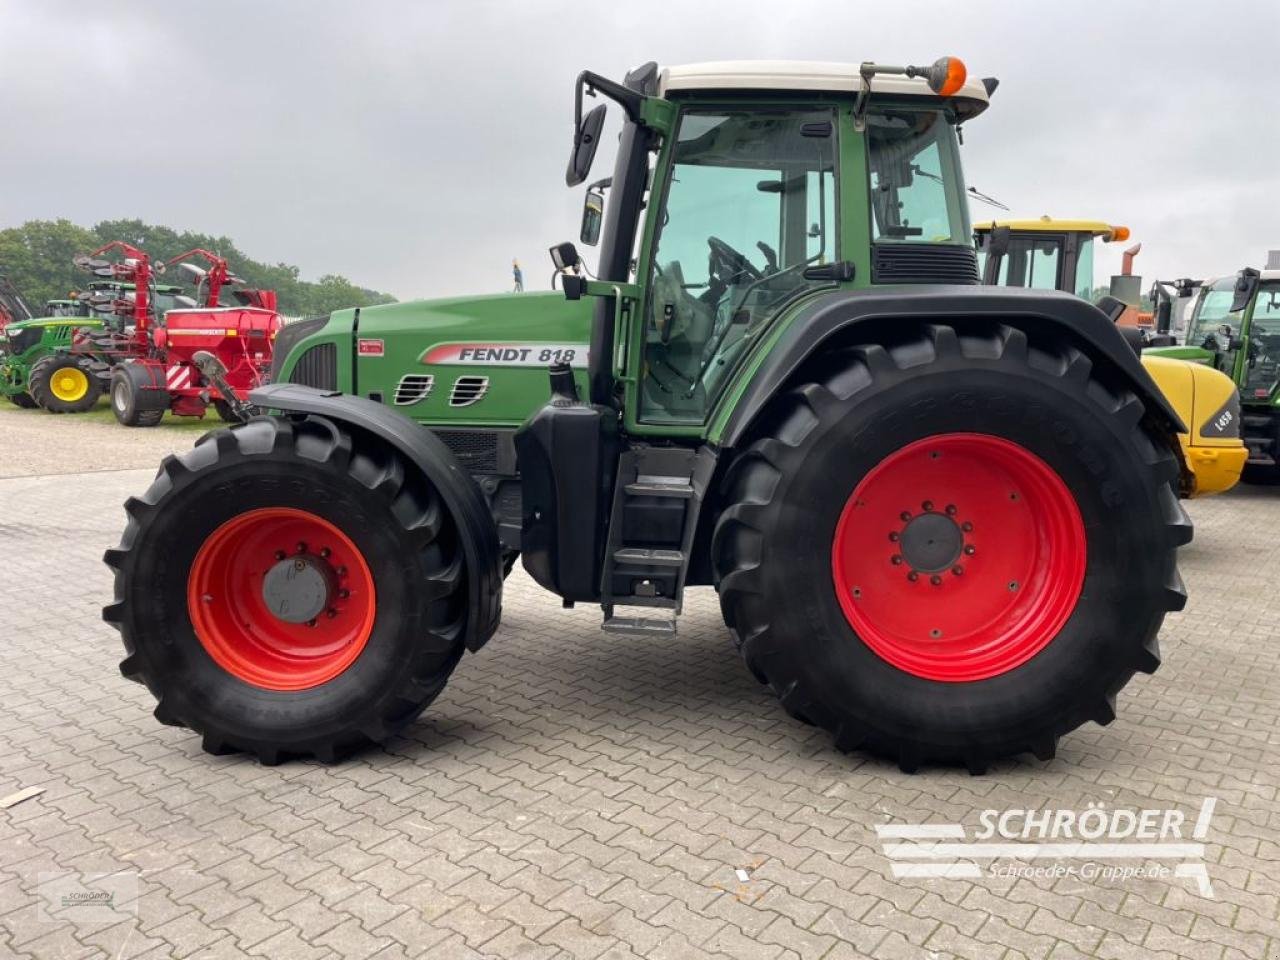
[
  {"x": 966, "y": 526},
  {"x": 896, "y": 559},
  {"x": 904, "y": 516},
  {"x": 343, "y": 594},
  {"x": 957, "y": 570},
  {"x": 342, "y": 571},
  {"x": 302, "y": 547},
  {"x": 951, "y": 509},
  {"x": 331, "y": 613},
  {"x": 935, "y": 580},
  {"x": 280, "y": 554},
  {"x": 927, "y": 506},
  {"x": 913, "y": 576},
  {"x": 970, "y": 550},
  {"x": 324, "y": 552},
  {"x": 893, "y": 537},
  {"x": 311, "y": 622}
]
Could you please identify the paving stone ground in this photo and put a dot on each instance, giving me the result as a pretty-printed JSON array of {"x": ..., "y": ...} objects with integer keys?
[{"x": 577, "y": 795}]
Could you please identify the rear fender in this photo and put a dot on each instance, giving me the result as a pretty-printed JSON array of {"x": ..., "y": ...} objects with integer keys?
[
  {"x": 424, "y": 450},
  {"x": 858, "y": 316}
]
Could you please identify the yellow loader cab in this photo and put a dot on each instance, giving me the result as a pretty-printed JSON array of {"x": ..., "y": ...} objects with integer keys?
[{"x": 1053, "y": 254}]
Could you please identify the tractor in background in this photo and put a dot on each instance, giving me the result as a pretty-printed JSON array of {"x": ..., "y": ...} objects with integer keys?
[
  {"x": 1058, "y": 254},
  {"x": 941, "y": 517},
  {"x": 1235, "y": 329}
]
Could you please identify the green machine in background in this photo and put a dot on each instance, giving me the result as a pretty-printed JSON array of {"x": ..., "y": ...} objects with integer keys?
[{"x": 1235, "y": 328}]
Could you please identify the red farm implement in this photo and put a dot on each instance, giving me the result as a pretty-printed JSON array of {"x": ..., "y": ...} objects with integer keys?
[{"x": 212, "y": 354}]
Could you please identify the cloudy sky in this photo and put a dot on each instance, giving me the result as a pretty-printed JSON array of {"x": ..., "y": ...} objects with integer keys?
[{"x": 418, "y": 146}]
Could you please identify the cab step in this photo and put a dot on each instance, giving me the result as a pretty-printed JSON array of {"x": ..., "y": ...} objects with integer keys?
[
  {"x": 640, "y": 626},
  {"x": 651, "y": 528}
]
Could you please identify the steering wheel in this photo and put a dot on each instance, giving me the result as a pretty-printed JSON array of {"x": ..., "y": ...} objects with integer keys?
[{"x": 729, "y": 266}]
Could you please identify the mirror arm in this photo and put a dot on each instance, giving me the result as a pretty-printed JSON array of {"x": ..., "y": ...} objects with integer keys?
[{"x": 625, "y": 97}]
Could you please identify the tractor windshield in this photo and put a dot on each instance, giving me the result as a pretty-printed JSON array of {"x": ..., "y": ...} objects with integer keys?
[
  {"x": 917, "y": 192},
  {"x": 1213, "y": 312}
]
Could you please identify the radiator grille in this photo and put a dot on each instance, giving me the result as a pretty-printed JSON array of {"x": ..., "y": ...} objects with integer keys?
[
  {"x": 412, "y": 388},
  {"x": 476, "y": 450},
  {"x": 318, "y": 368},
  {"x": 468, "y": 390},
  {"x": 923, "y": 263}
]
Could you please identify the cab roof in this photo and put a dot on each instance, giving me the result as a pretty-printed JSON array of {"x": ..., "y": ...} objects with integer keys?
[
  {"x": 1098, "y": 228},
  {"x": 810, "y": 75}
]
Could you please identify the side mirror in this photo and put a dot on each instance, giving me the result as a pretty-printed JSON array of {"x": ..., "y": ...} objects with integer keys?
[
  {"x": 592, "y": 216},
  {"x": 585, "y": 141},
  {"x": 1164, "y": 315},
  {"x": 565, "y": 256},
  {"x": 1246, "y": 286},
  {"x": 998, "y": 242}
]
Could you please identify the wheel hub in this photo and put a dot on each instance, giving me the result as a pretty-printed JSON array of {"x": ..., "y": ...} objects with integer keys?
[
  {"x": 931, "y": 543},
  {"x": 281, "y": 598},
  {"x": 299, "y": 589},
  {"x": 959, "y": 556}
]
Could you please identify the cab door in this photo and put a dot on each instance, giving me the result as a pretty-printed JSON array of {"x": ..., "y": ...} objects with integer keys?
[{"x": 746, "y": 208}]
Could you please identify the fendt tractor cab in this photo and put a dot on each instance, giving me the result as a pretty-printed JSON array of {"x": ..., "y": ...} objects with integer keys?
[
  {"x": 1058, "y": 254},
  {"x": 1235, "y": 328},
  {"x": 941, "y": 517}
]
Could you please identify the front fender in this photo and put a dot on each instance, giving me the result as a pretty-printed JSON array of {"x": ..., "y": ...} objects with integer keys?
[
  {"x": 423, "y": 449},
  {"x": 849, "y": 316}
]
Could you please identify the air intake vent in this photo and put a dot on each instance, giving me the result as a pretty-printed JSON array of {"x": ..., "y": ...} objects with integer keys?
[
  {"x": 468, "y": 390},
  {"x": 318, "y": 367},
  {"x": 476, "y": 450},
  {"x": 923, "y": 263},
  {"x": 413, "y": 387}
]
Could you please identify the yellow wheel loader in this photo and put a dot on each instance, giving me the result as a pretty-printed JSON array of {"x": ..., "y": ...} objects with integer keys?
[{"x": 1052, "y": 254}]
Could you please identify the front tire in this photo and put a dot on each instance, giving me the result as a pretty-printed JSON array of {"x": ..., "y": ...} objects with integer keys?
[
  {"x": 954, "y": 614},
  {"x": 23, "y": 401},
  {"x": 289, "y": 589},
  {"x": 62, "y": 383}
]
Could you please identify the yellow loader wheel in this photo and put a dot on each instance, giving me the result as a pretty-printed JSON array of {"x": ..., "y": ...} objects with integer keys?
[{"x": 62, "y": 383}]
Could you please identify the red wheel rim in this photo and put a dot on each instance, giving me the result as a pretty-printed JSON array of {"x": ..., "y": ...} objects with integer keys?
[
  {"x": 244, "y": 566},
  {"x": 959, "y": 557}
]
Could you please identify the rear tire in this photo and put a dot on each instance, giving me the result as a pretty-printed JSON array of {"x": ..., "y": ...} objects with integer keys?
[
  {"x": 931, "y": 695},
  {"x": 269, "y": 689},
  {"x": 62, "y": 383},
  {"x": 126, "y": 399}
]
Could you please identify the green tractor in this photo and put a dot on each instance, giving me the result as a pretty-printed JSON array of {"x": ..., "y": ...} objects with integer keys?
[
  {"x": 36, "y": 369},
  {"x": 1235, "y": 328},
  {"x": 941, "y": 517},
  {"x": 62, "y": 361}
]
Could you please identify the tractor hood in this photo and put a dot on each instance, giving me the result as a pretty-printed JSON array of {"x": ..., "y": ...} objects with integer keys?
[{"x": 467, "y": 360}]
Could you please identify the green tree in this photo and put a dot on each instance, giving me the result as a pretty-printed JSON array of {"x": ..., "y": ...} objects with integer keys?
[{"x": 37, "y": 258}]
